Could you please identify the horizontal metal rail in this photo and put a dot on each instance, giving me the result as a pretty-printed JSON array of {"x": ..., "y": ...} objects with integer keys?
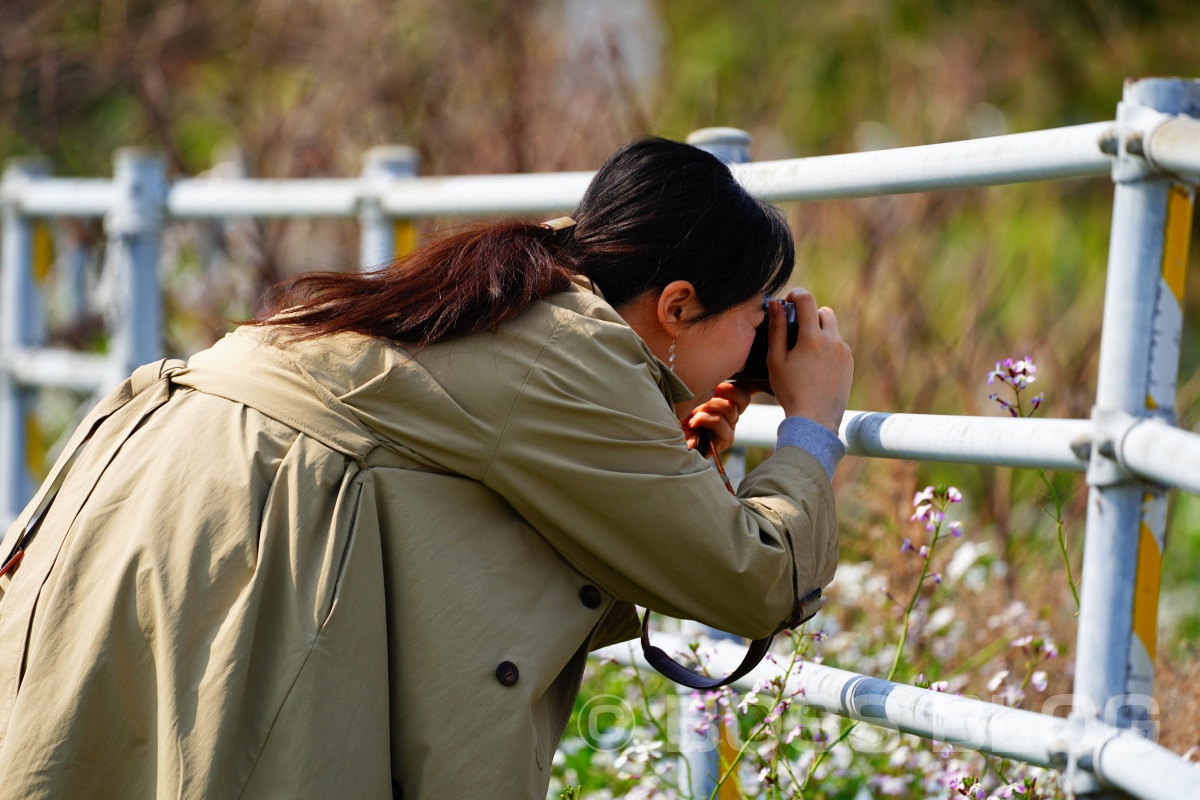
[
  {"x": 1147, "y": 448},
  {"x": 1174, "y": 146},
  {"x": 1120, "y": 758},
  {"x": 1072, "y": 152},
  {"x": 64, "y": 197},
  {"x": 1075, "y": 151},
  {"x": 208, "y": 198},
  {"x": 1162, "y": 453},
  {"x": 1039, "y": 443},
  {"x": 55, "y": 368},
  {"x": 1040, "y": 155}
]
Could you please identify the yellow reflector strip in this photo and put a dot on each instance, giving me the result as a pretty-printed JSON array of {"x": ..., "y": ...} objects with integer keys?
[
  {"x": 1150, "y": 404},
  {"x": 406, "y": 237},
  {"x": 1176, "y": 238},
  {"x": 35, "y": 453},
  {"x": 1145, "y": 590},
  {"x": 729, "y": 789},
  {"x": 43, "y": 252}
]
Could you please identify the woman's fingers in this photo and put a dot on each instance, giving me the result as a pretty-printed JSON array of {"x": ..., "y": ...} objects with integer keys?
[
  {"x": 813, "y": 378},
  {"x": 738, "y": 395},
  {"x": 807, "y": 315},
  {"x": 828, "y": 320},
  {"x": 718, "y": 427},
  {"x": 718, "y": 416}
]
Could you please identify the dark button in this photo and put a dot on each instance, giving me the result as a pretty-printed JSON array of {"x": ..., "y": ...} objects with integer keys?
[
  {"x": 507, "y": 673},
  {"x": 590, "y": 596}
]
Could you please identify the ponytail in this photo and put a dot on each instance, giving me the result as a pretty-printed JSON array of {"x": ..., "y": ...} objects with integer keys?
[{"x": 469, "y": 282}]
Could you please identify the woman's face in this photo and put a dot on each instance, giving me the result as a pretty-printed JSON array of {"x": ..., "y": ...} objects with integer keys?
[{"x": 709, "y": 352}]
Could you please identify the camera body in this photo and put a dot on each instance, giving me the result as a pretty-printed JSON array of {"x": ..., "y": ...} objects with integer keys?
[{"x": 754, "y": 373}]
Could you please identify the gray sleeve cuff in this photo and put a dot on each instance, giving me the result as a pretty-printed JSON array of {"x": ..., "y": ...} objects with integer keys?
[{"x": 814, "y": 438}]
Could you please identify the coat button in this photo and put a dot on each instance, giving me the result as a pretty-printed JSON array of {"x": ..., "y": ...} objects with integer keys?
[
  {"x": 590, "y": 596},
  {"x": 507, "y": 673}
]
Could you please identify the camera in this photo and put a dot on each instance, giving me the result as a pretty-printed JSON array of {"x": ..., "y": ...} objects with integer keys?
[{"x": 754, "y": 373}]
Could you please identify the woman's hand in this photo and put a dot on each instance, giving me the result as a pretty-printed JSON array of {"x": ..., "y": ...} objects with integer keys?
[
  {"x": 813, "y": 378},
  {"x": 717, "y": 416}
]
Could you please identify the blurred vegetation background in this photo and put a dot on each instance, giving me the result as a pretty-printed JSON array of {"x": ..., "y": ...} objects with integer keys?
[{"x": 930, "y": 289}]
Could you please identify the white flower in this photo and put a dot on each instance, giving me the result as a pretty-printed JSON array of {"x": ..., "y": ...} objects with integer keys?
[
  {"x": 1011, "y": 695},
  {"x": 751, "y": 699},
  {"x": 1038, "y": 680},
  {"x": 923, "y": 496},
  {"x": 954, "y": 495},
  {"x": 997, "y": 680}
]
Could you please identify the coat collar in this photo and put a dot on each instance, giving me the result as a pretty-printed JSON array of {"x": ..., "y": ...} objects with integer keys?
[{"x": 672, "y": 386}]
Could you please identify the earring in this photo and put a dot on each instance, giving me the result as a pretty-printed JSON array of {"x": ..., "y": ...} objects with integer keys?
[{"x": 671, "y": 356}]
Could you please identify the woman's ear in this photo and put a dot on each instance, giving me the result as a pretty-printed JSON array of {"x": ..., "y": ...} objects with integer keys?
[{"x": 677, "y": 304}]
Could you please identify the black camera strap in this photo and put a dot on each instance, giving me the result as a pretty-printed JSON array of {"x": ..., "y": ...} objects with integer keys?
[
  {"x": 657, "y": 658},
  {"x": 804, "y": 610}
]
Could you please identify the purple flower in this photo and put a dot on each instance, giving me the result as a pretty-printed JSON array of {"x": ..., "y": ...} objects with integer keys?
[
  {"x": 953, "y": 495},
  {"x": 956, "y": 528},
  {"x": 1038, "y": 680},
  {"x": 907, "y": 546},
  {"x": 1017, "y": 374}
]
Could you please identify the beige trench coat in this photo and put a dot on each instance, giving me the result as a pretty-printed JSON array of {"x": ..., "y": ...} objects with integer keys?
[{"x": 296, "y": 570}]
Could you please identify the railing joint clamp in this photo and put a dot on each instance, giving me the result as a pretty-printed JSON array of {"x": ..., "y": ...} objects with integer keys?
[
  {"x": 1135, "y": 127},
  {"x": 1106, "y": 466}
]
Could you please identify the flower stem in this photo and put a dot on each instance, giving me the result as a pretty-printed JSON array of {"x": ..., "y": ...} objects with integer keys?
[
  {"x": 912, "y": 603},
  {"x": 737, "y": 757},
  {"x": 1058, "y": 525}
]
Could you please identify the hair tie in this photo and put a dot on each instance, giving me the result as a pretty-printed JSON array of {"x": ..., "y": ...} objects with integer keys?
[{"x": 558, "y": 223}]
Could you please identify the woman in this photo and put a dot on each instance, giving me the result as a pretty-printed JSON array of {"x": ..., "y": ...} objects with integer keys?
[{"x": 362, "y": 547}]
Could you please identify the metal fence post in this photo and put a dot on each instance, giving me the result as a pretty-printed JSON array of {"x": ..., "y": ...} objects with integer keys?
[
  {"x": 732, "y": 146},
  {"x": 381, "y": 241},
  {"x": 133, "y": 226},
  {"x": 20, "y": 327},
  {"x": 1139, "y": 361}
]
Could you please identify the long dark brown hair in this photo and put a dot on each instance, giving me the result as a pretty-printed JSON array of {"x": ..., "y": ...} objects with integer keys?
[{"x": 656, "y": 212}]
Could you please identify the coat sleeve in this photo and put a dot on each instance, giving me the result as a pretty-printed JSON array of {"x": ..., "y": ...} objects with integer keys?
[{"x": 592, "y": 456}]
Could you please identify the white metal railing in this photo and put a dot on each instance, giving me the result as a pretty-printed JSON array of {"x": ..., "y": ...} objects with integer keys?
[{"x": 1129, "y": 449}]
